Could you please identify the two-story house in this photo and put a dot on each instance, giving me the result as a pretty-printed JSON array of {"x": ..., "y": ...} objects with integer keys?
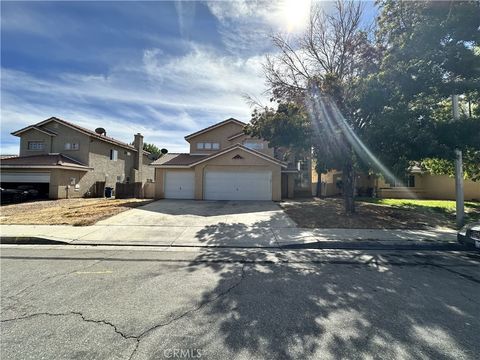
[
  {"x": 64, "y": 160},
  {"x": 224, "y": 164}
]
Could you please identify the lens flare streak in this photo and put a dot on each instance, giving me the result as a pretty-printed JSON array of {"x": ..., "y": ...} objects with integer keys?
[{"x": 322, "y": 108}]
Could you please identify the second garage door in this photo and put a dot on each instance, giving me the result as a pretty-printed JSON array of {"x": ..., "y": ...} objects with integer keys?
[
  {"x": 238, "y": 185},
  {"x": 179, "y": 184}
]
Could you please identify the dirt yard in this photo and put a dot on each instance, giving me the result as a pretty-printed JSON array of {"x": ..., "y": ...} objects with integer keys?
[
  {"x": 328, "y": 213},
  {"x": 78, "y": 212}
]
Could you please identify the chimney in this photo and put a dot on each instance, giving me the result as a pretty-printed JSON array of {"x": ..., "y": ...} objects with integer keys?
[{"x": 138, "y": 144}]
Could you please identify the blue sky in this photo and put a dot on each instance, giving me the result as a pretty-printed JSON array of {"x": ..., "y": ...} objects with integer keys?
[{"x": 164, "y": 69}]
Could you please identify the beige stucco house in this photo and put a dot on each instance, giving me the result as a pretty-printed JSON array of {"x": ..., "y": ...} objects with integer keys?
[
  {"x": 417, "y": 185},
  {"x": 63, "y": 160},
  {"x": 224, "y": 164}
]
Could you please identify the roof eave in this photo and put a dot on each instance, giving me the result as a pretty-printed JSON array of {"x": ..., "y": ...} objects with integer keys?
[
  {"x": 66, "y": 167},
  {"x": 32, "y": 127},
  {"x": 214, "y": 126},
  {"x": 240, "y": 146},
  {"x": 171, "y": 166}
]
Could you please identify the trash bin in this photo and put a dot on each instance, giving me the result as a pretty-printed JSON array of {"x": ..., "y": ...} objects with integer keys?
[{"x": 108, "y": 192}]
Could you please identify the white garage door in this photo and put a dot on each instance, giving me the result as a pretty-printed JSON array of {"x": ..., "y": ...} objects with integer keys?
[
  {"x": 179, "y": 184},
  {"x": 238, "y": 185},
  {"x": 25, "y": 177}
]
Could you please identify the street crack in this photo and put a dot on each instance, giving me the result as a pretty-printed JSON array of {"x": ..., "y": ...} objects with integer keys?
[{"x": 139, "y": 337}]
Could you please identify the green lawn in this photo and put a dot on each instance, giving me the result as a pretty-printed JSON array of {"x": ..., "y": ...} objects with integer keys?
[{"x": 447, "y": 207}]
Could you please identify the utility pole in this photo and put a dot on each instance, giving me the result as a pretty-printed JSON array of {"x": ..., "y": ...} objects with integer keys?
[{"x": 459, "y": 196}]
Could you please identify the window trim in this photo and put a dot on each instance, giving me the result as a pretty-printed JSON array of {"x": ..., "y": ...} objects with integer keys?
[
  {"x": 112, "y": 157},
  {"x": 35, "y": 141},
  {"x": 258, "y": 145},
  {"x": 71, "y": 147},
  {"x": 212, "y": 145}
]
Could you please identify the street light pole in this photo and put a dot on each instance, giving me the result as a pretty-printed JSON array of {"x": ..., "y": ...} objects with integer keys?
[{"x": 459, "y": 196}]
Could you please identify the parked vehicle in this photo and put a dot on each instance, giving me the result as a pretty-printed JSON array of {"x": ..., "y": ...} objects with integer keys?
[
  {"x": 13, "y": 195},
  {"x": 470, "y": 235},
  {"x": 30, "y": 192}
]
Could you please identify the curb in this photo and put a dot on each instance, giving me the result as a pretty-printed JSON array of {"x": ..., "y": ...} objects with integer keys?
[
  {"x": 379, "y": 245},
  {"x": 30, "y": 240},
  {"x": 329, "y": 244}
]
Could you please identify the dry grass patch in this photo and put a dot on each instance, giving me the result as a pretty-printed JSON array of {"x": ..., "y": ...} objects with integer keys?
[
  {"x": 78, "y": 212},
  {"x": 328, "y": 213}
]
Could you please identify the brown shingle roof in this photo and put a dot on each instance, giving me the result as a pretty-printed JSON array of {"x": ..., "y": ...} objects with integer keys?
[
  {"x": 43, "y": 160},
  {"x": 214, "y": 126},
  {"x": 236, "y": 135},
  {"x": 81, "y": 129},
  {"x": 174, "y": 159}
]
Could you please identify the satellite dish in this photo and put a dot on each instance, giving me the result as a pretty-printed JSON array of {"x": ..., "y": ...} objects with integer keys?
[
  {"x": 101, "y": 131},
  {"x": 164, "y": 151}
]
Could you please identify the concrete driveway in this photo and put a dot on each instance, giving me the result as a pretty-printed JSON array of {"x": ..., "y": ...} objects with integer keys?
[{"x": 190, "y": 223}]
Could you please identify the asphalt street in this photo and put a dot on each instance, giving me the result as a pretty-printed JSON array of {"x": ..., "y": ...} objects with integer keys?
[{"x": 79, "y": 302}]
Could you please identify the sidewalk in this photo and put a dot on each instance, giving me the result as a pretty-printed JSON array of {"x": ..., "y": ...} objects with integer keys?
[{"x": 217, "y": 235}]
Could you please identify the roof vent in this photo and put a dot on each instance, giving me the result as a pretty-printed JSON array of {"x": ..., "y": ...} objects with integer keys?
[{"x": 237, "y": 157}]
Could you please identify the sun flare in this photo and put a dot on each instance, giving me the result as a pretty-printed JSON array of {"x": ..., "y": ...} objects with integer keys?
[{"x": 296, "y": 13}]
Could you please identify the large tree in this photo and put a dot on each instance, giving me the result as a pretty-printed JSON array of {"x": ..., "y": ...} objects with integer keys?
[
  {"x": 391, "y": 94},
  {"x": 431, "y": 51},
  {"x": 317, "y": 72}
]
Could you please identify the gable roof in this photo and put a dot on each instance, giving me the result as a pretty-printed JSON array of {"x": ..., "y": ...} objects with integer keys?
[
  {"x": 188, "y": 160},
  {"x": 236, "y": 135},
  {"x": 251, "y": 151},
  {"x": 52, "y": 160},
  {"x": 215, "y": 126},
  {"x": 78, "y": 128},
  {"x": 34, "y": 127},
  {"x": 176, "y": 159}
]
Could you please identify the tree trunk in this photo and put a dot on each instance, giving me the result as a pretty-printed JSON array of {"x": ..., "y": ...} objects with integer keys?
[
  {"x": 318, "y": 191},
  {"x": 348, "y": 179}
]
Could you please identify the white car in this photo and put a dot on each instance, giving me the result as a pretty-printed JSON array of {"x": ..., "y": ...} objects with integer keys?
[{"x": 470, "y": 235}]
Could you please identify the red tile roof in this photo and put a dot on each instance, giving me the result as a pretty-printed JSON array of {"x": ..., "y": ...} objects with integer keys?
[
  {"x": 43, "y": 160},
  {"x": 186, "y": 160},
  {"x": 81, "y": 129},
  {"x": 214, "y": 126},
  {"x": 174, "y": 159}
]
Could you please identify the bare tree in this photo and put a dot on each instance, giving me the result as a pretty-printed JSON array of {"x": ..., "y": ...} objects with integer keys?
[{"x": 323, "y": 61}]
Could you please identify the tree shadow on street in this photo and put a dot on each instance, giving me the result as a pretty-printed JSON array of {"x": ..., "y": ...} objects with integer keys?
[{"x": 309, "y": 305}]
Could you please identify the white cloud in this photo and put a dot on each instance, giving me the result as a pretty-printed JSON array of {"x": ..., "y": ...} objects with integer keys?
[
  {"x": 186, "y": 14},
  {"x": 245, "y": 25},
  {"x": 163, "y": 97}
]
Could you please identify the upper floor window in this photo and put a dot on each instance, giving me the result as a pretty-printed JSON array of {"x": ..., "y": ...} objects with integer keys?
[
  {"x": 72, "y": 146},
  {"x": 255, "y": 145},
  {"x": 36, "y": 145},
  {"x": 208, "y": 146},
  {"x": 113, "y": 154}
]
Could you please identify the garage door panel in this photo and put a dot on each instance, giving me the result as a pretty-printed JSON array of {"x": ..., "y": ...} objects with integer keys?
[
  {"x": 24, "y": 177},
  {"x": 179, "y": 184},
  {"x": 238, "y": 185}
]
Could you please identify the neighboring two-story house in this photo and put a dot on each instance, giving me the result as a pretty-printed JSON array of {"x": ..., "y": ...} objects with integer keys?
[
  {"x": 224, "y": 164},
  {"x": 65, "y": 160}
]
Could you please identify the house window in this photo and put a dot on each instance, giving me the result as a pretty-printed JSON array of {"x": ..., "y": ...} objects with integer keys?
[
  {"x": 208, "y": 146},
  {"x": 72, "y": 146},
  {"x": 409, "y": 181},
  {"x": 254, "y": 145},
  {"x": 36, "y": 145},
  {"x": 113, "y": 155}
]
